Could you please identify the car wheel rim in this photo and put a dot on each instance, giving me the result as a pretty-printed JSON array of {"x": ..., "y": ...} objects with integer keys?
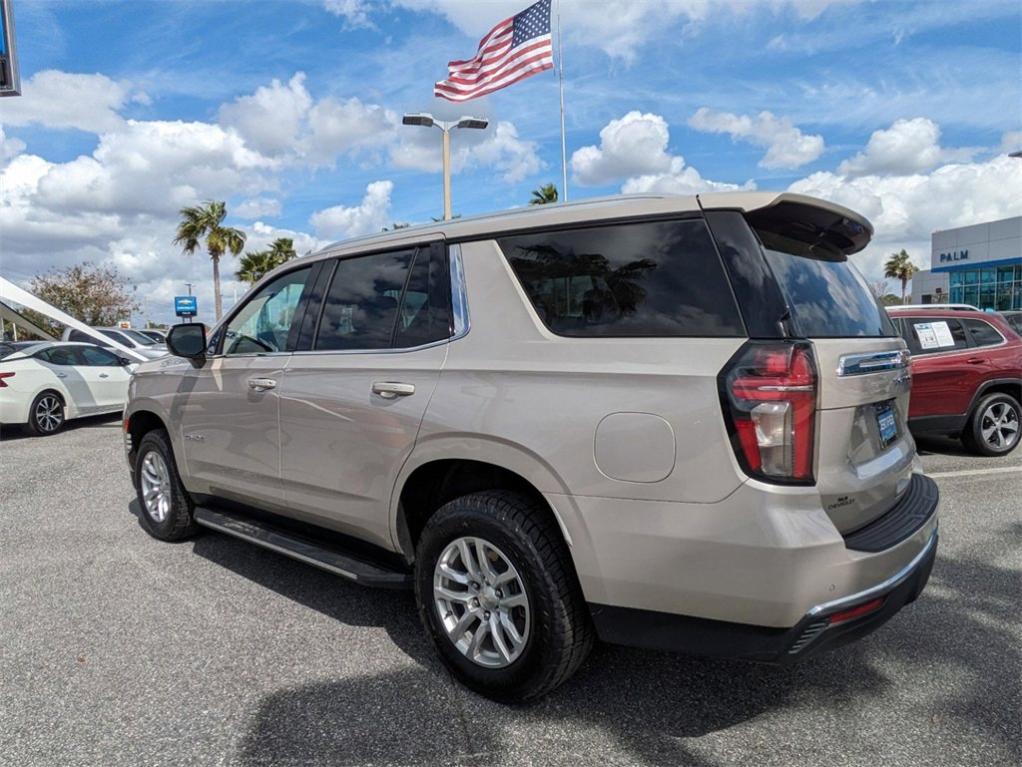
[
  {"x": 482, "y": 602},
  {"x": 49, "y": 413},
  {"x": 155, "y": 481},
  {"x": 999, "y": 426}
]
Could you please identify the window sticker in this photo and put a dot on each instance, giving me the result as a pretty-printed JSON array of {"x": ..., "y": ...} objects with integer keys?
[{"x": 934, "y": 335}]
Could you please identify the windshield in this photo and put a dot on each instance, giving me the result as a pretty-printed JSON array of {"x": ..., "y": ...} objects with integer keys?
[{"x": 827, "y": 296}]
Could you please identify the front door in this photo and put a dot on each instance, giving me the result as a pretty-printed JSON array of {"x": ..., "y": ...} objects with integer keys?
[
  {"x": 352, "y": 403},
  {"x": 230, "y": 415},
  {"x": 105, "y": 376}
]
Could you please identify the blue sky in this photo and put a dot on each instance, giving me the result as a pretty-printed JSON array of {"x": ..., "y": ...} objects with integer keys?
[{"x": 902, "y": 110}]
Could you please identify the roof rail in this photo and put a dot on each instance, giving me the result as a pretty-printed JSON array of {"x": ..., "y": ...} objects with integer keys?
[{"x": 952, "y": 307}]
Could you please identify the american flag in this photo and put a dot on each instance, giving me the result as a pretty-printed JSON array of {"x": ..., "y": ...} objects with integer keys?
[{"x": 516, "y": 48}]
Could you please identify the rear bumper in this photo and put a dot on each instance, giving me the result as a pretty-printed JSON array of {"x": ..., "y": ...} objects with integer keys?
[{"x": 817, "y": 630}]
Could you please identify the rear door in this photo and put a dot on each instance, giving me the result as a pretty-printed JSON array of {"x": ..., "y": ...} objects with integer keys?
[
  {"x": 354, "y": 395},
  {"x": 864, "y": 451},
  {"x": 945, "y": 371}
]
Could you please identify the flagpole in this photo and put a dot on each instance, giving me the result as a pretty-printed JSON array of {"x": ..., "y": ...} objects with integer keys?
[{"x": 560, "y": 79}]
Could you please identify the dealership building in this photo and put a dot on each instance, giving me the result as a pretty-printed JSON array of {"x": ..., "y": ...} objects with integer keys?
[{"x": 979, "y": 265}]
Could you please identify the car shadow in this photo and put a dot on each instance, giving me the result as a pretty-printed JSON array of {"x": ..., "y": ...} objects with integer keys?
[
  {"x": 648, "y": 703},
  {"x": 942, "y": 446},
  {"x": 11, "y": 433}
]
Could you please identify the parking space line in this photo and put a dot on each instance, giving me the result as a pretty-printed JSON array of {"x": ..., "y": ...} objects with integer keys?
[{"x": 972, "y": 472}]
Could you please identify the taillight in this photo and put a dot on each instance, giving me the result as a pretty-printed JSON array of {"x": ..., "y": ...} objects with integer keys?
[
  {"x": 3, "y": 383},
  {"x": 768, "y": 391}
]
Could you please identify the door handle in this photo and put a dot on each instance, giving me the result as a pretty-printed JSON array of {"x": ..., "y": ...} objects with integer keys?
[
  {"x": 390, "y": 390},
  {"x": 261, "y": 384},
  {"x": 976, "y": 360},
  {"x": 104, "y": 375},
  {"x": 61, "y": 375}
]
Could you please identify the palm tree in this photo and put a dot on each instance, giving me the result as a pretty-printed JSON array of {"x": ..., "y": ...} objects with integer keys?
[
  {"x": 206, "y": 221},
  {"x": 254, "y": 265},
  {"x": 900, "y": 267},
  {"x": 544, "y": 195}
]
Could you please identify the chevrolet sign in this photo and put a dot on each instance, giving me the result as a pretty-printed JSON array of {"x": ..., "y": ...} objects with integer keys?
[{"x": 954, "y": 255}]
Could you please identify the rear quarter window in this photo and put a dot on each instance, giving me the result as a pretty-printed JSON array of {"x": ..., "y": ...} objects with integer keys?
[
  {"x": 658, "y": 278},
  {"x": 827, "y": 296}
]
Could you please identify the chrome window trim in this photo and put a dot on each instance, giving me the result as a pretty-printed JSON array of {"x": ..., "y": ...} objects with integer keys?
[
  {"x": 459, "y": 313},
  {"x": 881, "y": 587},
  {"x": 459, "y": 294},
  {"x": 873, "y": 362}
]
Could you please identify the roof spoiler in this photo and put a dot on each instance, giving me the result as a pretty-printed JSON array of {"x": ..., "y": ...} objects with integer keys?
[{"x": 819, "y": 224}]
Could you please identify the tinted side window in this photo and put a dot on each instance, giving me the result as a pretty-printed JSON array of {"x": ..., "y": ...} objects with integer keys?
[
  {"x": 926, "y": 336},
  {"x": 983, "y": 334},
  {"x": 264, "y": 322},
  {"x": 361, "y": 307},
  {"x": 59, "y": 355},
  {"x": 660, "y": 278},
  {"x": 94, "y": 356},
  {"x": 425, "y": 316},
  {"x": 120, "y": 338},
  {"x": 77, "y": 335}
]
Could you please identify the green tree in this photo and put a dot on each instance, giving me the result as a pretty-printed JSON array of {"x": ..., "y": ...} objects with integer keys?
[
  {"x": 254, "y": 265},
  {"x": 544, "y": 195},
  {"x": 96, "y": 295},
  {"x": 206, "y": 221},
  {"x": 900, "y": 267}
]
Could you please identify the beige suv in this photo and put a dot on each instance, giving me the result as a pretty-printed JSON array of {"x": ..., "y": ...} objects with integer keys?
[{"x": 671, "y": 422}]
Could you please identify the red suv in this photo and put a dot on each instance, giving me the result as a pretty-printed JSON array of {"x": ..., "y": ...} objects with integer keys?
[{"x": 967, "y": 376}]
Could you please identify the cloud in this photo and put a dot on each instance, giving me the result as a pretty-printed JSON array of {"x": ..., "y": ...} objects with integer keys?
[
  {"x": 1011, "y": 141},
  {"x": 633, "y": 148},
  {"x": 498, "y": 147},
  {"x": 370, "y": 215},
  {"x": 617, "y": 27},
  {"x": 631, "y": 145},
  {"x": 786, "y": 145},
  {"x": 905, "y": 209},
  {"x": 257, "y": 207},
  {"x": 9, "y": 146},
  {"x": 56, "y": 99},
  {"x": 908, "y": 146},
  {"x": 679, "y": 179},
  {"x": 354, "y": 12},
  {"x": 270, "y": 119},
  {"x": 340, "y": 126}
]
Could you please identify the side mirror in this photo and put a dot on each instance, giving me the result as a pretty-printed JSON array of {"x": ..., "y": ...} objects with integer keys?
[
  {"x": 124, "y": 361},
  {"x": 188, "y": 340}
]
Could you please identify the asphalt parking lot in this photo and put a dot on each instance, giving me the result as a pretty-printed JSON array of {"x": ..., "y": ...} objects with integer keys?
[{"x": 118, "y": 649}]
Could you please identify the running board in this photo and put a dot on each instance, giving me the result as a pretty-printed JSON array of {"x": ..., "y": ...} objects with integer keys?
[{"x": 325, "y": 556}]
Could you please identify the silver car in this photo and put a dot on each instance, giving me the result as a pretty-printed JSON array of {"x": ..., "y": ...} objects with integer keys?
[
  {"x": 132, "y": 339},
  {"x": 671, "y": 422}
]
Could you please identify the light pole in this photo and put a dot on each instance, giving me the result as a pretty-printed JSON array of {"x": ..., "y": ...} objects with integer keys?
[{"x": 428, "y": 121}]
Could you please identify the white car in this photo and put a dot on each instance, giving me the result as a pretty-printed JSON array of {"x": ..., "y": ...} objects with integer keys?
[
  {"x": 133, "y": 339},
  {"x": 43, "y": 384}
]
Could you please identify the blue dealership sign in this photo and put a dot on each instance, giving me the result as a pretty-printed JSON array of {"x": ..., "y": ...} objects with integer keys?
[{"x": 186, "y": 306}]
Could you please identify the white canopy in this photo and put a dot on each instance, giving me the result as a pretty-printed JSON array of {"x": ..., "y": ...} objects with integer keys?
[{"x": 12, "y": 294}]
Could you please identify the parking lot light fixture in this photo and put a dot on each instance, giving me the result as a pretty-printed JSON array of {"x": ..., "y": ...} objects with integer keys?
[{"x": 425, "y": 120}]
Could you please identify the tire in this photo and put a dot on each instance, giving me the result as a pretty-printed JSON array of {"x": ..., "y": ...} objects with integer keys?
[
  {"x": 554, "y": 627},
  {"x": 46, "y": 415},
  {"x": 168, "y": 515},
  {"x": 995, "y": 426}
]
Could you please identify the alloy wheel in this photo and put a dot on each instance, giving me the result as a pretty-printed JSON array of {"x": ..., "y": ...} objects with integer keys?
[
  {"x": 482, "y": 602},
  {"x": 999, "y": 425},
  {"x": 49, "y": 413},
  {"x": 155, "y": 482}
]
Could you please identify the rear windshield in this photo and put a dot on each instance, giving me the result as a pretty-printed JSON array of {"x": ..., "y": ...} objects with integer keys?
[
  {"x": 827, "y": 295},
  {"x": 657, "y": 278}
]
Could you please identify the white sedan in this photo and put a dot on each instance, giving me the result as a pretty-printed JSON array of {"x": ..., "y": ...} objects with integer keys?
[{"x": 45, "y": 384}]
